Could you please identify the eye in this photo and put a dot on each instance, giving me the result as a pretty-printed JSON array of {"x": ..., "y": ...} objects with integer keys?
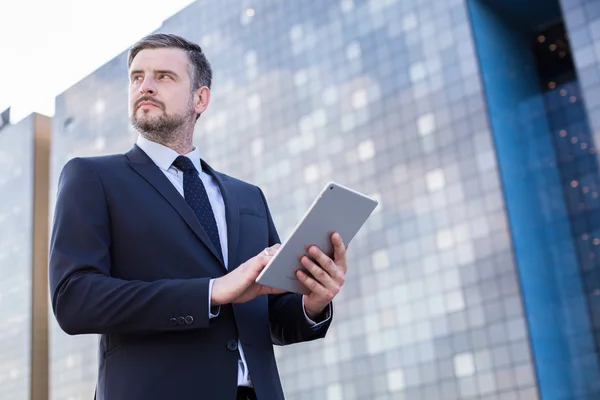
[
  {"x": 164, "y": 76},
  {"x": 136, "y": 78}
]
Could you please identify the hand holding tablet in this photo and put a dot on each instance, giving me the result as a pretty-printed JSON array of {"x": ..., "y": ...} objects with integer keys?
[{"x": 336, "y": 209}]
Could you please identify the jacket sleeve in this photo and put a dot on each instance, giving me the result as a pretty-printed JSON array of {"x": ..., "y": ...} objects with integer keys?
[
  {"x": 85, "y": 298},
  {"x": 287, "y": 318}
]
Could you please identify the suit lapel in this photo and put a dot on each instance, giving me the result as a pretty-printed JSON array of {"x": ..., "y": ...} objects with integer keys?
[
  {"x": 232, "y": 213},
  {"x": 144, "y": 166}
]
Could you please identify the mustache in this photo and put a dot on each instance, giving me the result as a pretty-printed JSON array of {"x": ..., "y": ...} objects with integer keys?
[{"x": 149, "y": 99}]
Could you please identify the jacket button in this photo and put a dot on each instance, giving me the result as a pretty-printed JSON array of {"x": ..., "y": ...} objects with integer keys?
[
  {"x": 189, "y": 320},
  {"x": 173, "y": 321},
  {"x": 232, "y": 345},
  {"x": 181, "y": 320}
]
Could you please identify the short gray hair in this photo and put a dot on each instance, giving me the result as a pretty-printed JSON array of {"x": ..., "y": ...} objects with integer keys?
[{"x": 200, "y": 69}]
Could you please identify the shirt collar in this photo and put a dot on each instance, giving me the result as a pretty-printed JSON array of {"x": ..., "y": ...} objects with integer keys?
[{"x": 163, "y": 156}]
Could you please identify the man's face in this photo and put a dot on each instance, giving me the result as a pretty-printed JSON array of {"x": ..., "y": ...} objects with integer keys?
[{"x": 161, "y": 99}]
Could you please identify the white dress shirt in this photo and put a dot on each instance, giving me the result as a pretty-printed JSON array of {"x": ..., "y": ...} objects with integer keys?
[{"x": 163, "y": 157}]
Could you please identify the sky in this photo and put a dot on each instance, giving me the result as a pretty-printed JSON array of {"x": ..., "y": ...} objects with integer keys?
[{"x": 46, "y": 46}]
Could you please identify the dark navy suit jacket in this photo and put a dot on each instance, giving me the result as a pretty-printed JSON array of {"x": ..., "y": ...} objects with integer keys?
[{"x": 130, "y": 261}]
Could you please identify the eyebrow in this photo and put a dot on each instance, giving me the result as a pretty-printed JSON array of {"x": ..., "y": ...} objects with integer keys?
[{"x": 156, "y": 71}]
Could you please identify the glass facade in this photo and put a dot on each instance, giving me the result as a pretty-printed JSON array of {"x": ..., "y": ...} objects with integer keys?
[
  {"x": 16, "y": 236},
  {"x": 583, "y": 24},
  {"x": 548, "y": 167},
  {"x": 475, "y": 251}
]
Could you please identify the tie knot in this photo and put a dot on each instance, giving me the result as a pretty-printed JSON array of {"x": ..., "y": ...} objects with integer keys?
[{"x": 184, "y": 164}]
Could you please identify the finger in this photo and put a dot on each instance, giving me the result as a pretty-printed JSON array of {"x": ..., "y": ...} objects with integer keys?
[
  {"x": 319, "y": 274},
  {"x": 270, "y": 290},
  {"x": 264, "y": 258},
  {"x": 315, "y": 287},
  {"x": 256, "y": 264},
  {"x": 269, "y": 251},
  {"x": 339, "y": 251},
  {"x": 326, "y": 263}
]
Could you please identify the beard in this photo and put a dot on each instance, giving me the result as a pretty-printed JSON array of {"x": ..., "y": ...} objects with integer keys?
[{"x": 163, "y": 128}]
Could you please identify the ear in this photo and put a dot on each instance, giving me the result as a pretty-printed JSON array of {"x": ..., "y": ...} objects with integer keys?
[{"x": 201, "y": 99}]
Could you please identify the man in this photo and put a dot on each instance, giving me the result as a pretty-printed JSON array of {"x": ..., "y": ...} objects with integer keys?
[{"x": 158, "y": 253}]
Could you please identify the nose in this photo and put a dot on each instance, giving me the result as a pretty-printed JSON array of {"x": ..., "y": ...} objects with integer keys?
[{"x": 148, "y": 86}]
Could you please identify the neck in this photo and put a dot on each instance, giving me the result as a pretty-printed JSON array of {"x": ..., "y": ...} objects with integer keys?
[
  {"x": 182, "y": 148},
  {"x": 180, "y": 140}
]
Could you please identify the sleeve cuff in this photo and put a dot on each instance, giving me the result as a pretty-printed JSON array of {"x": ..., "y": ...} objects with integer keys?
[
  {"x": 316, "y": 325},
  {"x": 213, "y": 312}
]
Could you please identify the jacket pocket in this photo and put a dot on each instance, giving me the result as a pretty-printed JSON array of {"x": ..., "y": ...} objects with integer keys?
[
  {"x": 113, "y": 350},
  {"x": 252, "y": 211}
]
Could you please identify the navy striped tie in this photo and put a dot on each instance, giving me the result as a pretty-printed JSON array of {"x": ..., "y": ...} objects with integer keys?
[{"x": 196, "y": 196}]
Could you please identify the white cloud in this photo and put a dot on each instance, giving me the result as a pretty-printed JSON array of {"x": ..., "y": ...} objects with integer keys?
[{"x": 45, "y": 52}]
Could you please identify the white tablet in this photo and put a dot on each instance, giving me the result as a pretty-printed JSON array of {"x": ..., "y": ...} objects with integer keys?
[{"x": 336, "y": 209}]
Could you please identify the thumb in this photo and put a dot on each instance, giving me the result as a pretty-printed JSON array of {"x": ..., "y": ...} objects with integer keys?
[{"x": 258, "y": 262}]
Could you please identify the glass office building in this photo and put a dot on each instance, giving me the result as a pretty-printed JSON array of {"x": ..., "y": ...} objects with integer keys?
[
  {"x": 24, "y": 154},
  {"x": 473, "y": 122}
]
